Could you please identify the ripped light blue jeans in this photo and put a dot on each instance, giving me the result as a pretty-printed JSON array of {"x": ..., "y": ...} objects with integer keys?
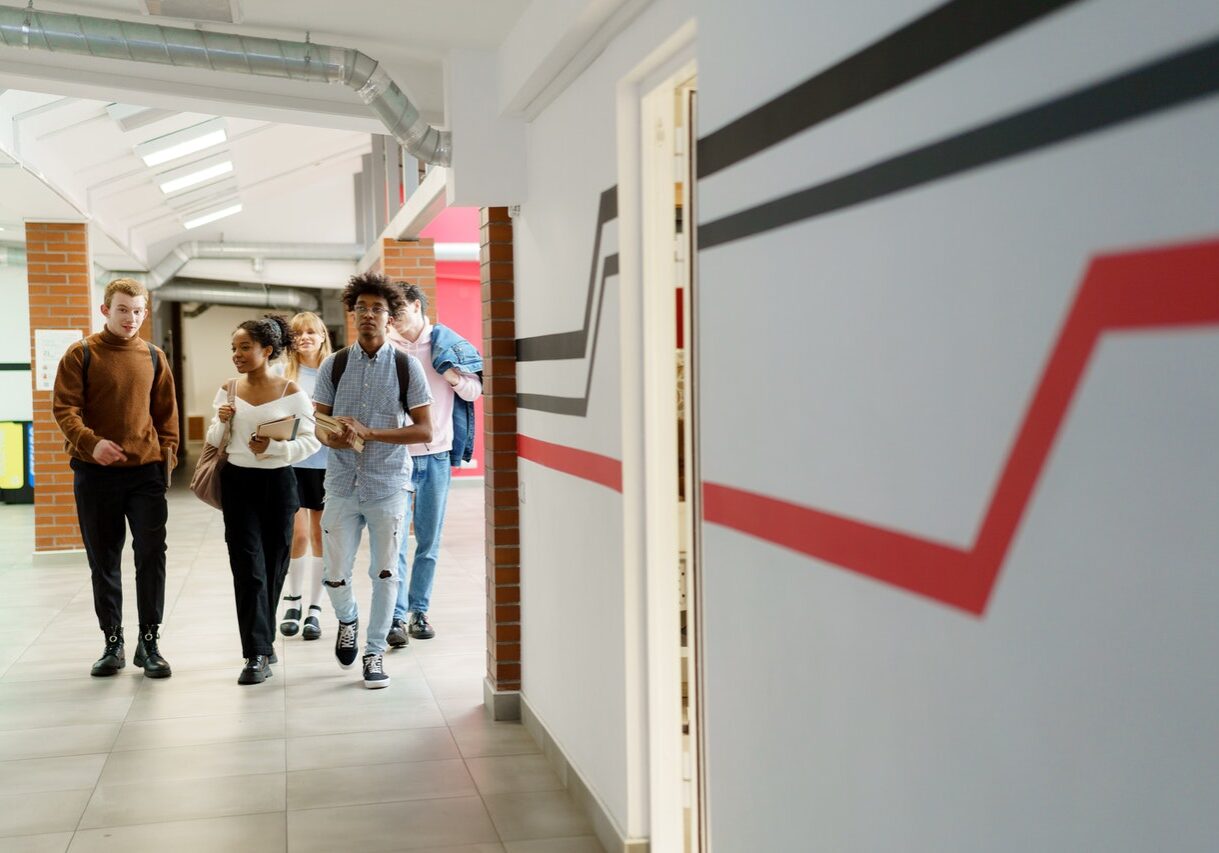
[{"x": 343, "y": 520}]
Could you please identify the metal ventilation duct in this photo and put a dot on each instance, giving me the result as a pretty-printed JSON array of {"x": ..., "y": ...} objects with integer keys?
[
  {"x": 186, "y": 48},
  {"x": 169, "y": 266},
  {"x": 232, "y": 294}
]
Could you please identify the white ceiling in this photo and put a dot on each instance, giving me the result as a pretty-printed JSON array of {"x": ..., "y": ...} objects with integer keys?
[
  {"x": 294, "y": 182},
  {"x": 294, "y": 146}
]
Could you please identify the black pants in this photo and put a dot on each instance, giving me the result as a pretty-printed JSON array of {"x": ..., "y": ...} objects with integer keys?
[
  {"x": 107, "y": 500},
  {"x": 259, "y": 507}
]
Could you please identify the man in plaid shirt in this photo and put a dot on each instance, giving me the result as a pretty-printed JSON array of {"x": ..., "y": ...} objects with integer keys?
[{"x": 370, "y": 488}]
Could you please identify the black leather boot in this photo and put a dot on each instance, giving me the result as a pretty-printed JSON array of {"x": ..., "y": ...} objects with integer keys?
[
  {"x": 113, "y": 658},
  {"x": 256, "y": 670},
  {"x": 148, "y": 655}
]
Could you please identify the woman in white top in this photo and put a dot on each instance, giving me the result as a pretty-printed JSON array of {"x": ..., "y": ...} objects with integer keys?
[
  {"x": 310, "y": 346},
  {"x": 258, "y": 486}
]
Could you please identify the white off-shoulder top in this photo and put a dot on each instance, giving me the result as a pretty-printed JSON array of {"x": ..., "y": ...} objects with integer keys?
[{"x": 247, "y": 418}]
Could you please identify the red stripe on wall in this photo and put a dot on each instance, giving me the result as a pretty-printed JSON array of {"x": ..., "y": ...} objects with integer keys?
[
  {"x": 1161, "y": 288},
  {"x": 579, "y": 463}
]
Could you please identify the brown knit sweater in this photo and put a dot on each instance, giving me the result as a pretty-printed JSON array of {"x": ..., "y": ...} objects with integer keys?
[{"x": 120, "y": 403}]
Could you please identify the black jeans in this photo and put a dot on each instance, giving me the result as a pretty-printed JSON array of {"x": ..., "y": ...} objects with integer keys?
[
  {"x": 259, "y": 507},
  {"x": 107, "y": 500}
]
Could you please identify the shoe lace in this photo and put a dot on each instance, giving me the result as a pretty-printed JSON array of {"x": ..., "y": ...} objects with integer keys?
[
  {"x": 347, "y": 636},
  {"x": 373, "y": 665},
  {"x": 420, "y": 619}
]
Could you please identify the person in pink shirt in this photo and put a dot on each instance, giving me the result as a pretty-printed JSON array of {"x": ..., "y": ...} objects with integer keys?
[{"x": 454, "y": 372}]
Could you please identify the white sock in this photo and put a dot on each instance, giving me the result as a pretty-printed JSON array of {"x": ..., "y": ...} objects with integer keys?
[
  {"x": 296, "y": 568},
  {"x": 313, "y": 584}
]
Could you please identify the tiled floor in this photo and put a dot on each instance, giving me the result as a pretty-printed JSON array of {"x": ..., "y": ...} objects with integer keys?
[{"x": 309, "y": 760}]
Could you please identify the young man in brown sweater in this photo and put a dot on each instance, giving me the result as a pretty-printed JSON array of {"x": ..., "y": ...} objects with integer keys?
[{"x": 114, "y": 401}]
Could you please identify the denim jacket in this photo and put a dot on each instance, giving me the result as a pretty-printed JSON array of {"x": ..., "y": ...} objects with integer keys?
[{"x": 450, "y": 349}]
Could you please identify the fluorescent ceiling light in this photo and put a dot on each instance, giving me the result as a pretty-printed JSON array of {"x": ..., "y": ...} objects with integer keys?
[
  {"x": 213, "y": 215},
  {"x": 171, "y": 146},
  {"x": 195, "y": 176}
]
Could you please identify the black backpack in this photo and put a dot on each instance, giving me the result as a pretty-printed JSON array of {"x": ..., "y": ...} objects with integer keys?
[
  {"x": 84, "y": 368},
  {"x": 401, "y": 364}
]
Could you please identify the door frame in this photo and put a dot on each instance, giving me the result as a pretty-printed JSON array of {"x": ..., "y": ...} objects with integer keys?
[{"x": 649, "y": 441}]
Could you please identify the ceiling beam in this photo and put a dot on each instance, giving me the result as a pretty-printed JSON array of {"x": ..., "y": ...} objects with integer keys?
[{"x": 342, "y": 112}]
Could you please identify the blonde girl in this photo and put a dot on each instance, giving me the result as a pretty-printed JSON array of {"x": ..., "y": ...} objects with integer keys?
[{"x": 311, "y": 345}]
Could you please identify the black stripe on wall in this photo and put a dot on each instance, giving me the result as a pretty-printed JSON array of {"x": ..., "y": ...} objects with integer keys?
[
  {"x": 573, "y": 344},
  {"x": 1160, "y": 85},
  {"x": 937, "y": 38},
  {"x": 14, "y": 365},
  {"x": 575, "y": 405}
]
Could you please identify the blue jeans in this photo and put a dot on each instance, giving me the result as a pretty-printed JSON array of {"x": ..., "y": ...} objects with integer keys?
[
  {"x": 343, "y": 520},
  {"x": 431, "y": 477}
]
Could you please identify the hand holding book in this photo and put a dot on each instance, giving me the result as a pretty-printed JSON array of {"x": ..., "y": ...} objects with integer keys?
[
  {"x": 331, "y": 428},
  {"x": 280, "y": 429}
]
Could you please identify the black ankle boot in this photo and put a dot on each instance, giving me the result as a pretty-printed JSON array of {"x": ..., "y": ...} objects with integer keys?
[
  {"x": 256, "y": 670},
  {"x": 148, "y": 655},
  {"x": 113, "y": 658}
]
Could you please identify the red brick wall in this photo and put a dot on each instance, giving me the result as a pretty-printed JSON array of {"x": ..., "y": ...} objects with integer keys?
[
  {"x": 414, "y": 262},
  {"x": 502, "y": 505},
  {"x": 57, "y": 257}
]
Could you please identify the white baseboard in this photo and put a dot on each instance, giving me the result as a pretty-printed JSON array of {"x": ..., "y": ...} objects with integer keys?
[
  {"x": 69, "y": 557},
  {"x": 605, "y": 827}
]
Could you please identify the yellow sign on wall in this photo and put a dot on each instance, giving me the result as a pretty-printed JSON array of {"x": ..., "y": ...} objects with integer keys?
[{"x": 12, "y": 455}]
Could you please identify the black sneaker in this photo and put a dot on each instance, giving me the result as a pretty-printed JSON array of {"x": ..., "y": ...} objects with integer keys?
[
  {"x": 397, "y": 634},
  {"x": 256, "y": 670},
  {"x": 292, "y": 616},
  {"x": 312, "y": 629},
  {"x": 374, "y": 673},
  {"x": 420, "y": 628},
  {"x": 345, "y": 643}
]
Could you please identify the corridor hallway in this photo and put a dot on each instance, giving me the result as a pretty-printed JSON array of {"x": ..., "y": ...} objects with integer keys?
[{"x": 308, "y": 761}]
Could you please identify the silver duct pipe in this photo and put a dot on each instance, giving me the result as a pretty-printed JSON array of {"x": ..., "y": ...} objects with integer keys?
[
  {"x": 172, "y": 263},
  {"x": 185, "y": 48},
  {"x": 230, "y": 294}
]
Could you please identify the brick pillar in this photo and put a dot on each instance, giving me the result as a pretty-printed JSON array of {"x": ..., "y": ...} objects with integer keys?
[
  {"x": 57, "y": 269},
  {"x": 502, "y": 505},
  {"x": 412, "y": 261}
]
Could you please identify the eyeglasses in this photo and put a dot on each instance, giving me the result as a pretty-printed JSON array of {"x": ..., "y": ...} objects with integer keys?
[{"x": 375, "y": 310}]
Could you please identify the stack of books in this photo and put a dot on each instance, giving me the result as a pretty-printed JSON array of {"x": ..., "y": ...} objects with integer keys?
[{"x": 327, "y": 425}]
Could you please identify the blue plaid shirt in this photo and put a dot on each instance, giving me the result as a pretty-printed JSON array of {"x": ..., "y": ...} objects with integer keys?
[{"x": 368, "y": 392}]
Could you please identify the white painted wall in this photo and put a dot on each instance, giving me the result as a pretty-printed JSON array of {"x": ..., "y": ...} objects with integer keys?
[
  {"x": 891, "y": 349},
  {"x": 580, "y": 677},
  {"x": 16, "y": 396},
  {"x": 206, "y": 354}
]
